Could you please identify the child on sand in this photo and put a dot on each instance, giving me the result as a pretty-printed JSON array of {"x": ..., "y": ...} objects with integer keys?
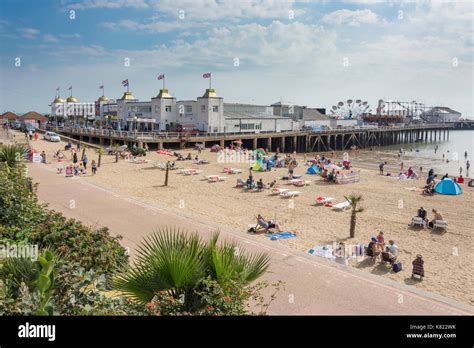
[{"x": 94, "y": 167}]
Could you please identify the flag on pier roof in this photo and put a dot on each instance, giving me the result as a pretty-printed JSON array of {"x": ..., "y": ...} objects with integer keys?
[
  {"x": 125, "y": 83},
  {"x": 70, "y": 88},
  {"x": 161, "y": 77},
  {"x": 207, "y": 75},
  {"x": 101, "y": 87},
  {"x": 57, "y": 89}
]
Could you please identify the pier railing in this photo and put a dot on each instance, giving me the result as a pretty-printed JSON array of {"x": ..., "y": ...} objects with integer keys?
[{"x": 234, "y": 135}]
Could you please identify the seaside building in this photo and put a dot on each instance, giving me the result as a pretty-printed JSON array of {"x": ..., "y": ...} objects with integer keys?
[
  {"x": 207, "y": 113},
  {"x": 441, "y": 114}
]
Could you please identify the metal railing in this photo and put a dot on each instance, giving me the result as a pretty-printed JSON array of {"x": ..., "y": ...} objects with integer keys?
[{"x": 134, "y": 135}]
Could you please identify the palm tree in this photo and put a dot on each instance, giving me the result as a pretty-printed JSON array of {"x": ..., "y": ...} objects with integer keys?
[
  {"x": 12, "y": 155},
  {"x": 354, "y": 200},
  {"x": 115, "y": 148},
  {"x": 100, "y": 151},
  {"x": 176, "y": 262}
]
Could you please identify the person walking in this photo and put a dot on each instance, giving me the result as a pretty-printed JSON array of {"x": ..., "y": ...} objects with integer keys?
[
  {"x": 94, "y": 167},
  {"x": 467, "y": 167},
  {"x": 74, "y": 157},
  {"x": 381, "y": 166},
  {"x": 85, "y": 160}
]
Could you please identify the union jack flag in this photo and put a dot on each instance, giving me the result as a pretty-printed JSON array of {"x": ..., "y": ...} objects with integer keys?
[
  {"x": 125, "y": 83},
  {"x": 161, "y": 77},
  {"x": 207, "y": 75}
]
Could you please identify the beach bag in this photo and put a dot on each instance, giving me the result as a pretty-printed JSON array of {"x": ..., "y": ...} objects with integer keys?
[
  {"x": 397, "y": 267},
  {"x": 252, "y": 230}
]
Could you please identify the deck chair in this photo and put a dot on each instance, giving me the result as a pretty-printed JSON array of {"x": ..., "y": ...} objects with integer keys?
[
  {"x": 240, "y": 183},
  {"x": 324, "y": 200},
  {"x": 387, "y": 258},
  {"x": 277, "y": 190},
  {"x": 290, "y": 194},
  {"x": 342, "y": 206},
  {"x": 417, "y": 221},
  {"x": 442, "y": 224}
]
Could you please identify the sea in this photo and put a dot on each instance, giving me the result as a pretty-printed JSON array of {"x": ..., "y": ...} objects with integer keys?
[{"x": 423, "y": 155}]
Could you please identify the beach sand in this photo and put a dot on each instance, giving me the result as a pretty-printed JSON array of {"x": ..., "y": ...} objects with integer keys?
[{"x": 388, "y": 205}]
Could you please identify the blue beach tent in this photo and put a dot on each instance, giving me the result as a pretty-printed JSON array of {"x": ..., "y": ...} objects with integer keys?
[
  {"x": 312, "y": 170},
  {"x": 448, "y": 187}
]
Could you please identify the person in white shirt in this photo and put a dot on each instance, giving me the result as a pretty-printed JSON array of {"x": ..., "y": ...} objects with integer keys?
[{"x": 392, "y": 248}]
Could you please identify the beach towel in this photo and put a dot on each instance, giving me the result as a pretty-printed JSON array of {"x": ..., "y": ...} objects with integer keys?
[
  {"x": 322, "y": 251},
  {"x": 281, "y": 235}
]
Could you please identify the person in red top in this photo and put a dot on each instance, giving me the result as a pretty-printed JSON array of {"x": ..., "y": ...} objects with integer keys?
[
  {"x": 380, "y": 238},
  {"x": 459, "y": 180},
  {"x": 36, "y": 136}
]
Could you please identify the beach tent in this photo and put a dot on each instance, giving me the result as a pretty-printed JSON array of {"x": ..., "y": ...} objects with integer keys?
[
  {"x": 258, "y": 166},
  {"x": 448, "y": 187},
  {"x": 313, "y": 170},
  {"x": 215, "y": 148},
  {"x": 260, "y": 151}
]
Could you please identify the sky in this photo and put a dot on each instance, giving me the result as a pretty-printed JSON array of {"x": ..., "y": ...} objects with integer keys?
[{"x": 313, "y": 53}]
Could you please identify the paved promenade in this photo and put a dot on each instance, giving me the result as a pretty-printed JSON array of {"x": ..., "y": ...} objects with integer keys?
[{"x": 312, "y": 285}]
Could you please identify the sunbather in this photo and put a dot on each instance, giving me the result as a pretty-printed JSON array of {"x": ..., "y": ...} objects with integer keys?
[
  {"x": 418, "y": 268},
  {"x": 392, "y": 251},
  {"x": 437, "y": 216},
  {"x": 373, "y": 249},
  {"x": 260, "y": 185},
  {"x": 266, "y": 224}
]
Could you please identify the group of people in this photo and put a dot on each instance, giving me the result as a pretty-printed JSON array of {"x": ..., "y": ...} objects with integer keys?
[
  {"x": 423, "y": 215},
  {"x": 377, "y": 246},
  {"x": 77, "y": 167}
]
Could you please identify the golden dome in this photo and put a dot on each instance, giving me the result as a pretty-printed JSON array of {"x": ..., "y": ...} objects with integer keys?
[
  {"x": 103, "y": 98},
  {"x": 210, "y": 93},
  {"x": 58, "y": 100},
  {"x": 71, "y": 99},
  {"x": 164, "y": 94},
  {"x": 128, "y": 96}
]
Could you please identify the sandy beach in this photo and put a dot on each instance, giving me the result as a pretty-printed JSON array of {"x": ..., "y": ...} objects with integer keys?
[{"x": 388, "y": 204}]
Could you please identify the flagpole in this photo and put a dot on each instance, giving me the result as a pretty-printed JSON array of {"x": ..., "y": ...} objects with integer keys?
[
  {"x": 164, "y": 81},
  {"x": 128, "y": 83},
  {"x": 210, "y": 80}
]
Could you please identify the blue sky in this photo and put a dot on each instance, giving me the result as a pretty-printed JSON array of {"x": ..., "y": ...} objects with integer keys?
[{"x": 313, "y": 53}]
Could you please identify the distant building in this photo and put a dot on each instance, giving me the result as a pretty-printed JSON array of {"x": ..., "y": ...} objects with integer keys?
[{"x": 441, "y": 114}]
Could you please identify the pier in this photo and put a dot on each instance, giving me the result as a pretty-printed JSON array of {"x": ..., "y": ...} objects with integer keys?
[{"x": 288, "y": 141}]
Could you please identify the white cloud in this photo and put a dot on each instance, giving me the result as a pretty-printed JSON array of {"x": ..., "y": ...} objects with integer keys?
[
  {"x": 48, "y": 38},
  {"x": 29, "y": 33},
  {"x": 152, "y": 27},
  {"x": 366, "y": 2},
  {"x": 111, "y": 4},
  {"x": 353, "y": 18},
  {"x": 70, "y": 36},
  {"x": 214, "y": 9}
]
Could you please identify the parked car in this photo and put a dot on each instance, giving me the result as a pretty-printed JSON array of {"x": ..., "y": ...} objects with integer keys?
[
  {"x": 111, "y": 151},
  {"x": 51, "y": 136},
  {"x": 27, "y": 127}
]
